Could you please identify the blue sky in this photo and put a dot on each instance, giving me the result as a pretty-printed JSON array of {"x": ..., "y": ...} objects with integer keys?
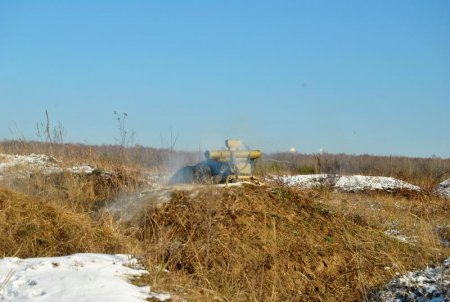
[{"x": 347, "y": 76}]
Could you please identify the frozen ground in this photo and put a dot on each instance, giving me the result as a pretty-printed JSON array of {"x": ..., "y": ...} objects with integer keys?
[
  {"x": 308, "y": 181},
  {"x": 444, "y": 188},
  {"x": 393, "y": 230},
  {"x": 443, "y": 232},
  {"x": 78, "y": 277},
  {"x": 357, "y": 183},
  {"x": 430, "y": 284},
  {"x": 25, "y": 165},
  {"x": 354, "y": 183}
]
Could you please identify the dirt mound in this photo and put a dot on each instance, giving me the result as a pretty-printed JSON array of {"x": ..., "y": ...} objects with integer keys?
[
  {"x": 30, "y": 227},
  {"x": 254, "y": 243}
]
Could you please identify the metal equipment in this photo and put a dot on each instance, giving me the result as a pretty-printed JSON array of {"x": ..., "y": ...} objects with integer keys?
[
  {"x": 221, "y": 166},
  {"x": 235, "y": 164}
]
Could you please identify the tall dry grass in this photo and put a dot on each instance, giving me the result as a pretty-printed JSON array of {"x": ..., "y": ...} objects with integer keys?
[
  {"x": 265, "y": 243},
  {"x": 280, "y": 244},
  {"x": 424, "y": 172},
  {"x": 31, "y": 227},
  {"x": 105, "y": 156}
]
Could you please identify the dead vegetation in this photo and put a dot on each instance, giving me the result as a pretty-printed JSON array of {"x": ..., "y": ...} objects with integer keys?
[
  {"x": 249, "y": 243},
  {"x": 30, "y": 227},
  {"x": 106, "y": 156},
  {"x": 423, "y": 172},
  {"x": 80, "y": 192},
  {"x": 275, "y": 244}
]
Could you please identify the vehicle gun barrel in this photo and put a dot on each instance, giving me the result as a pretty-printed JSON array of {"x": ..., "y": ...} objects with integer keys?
[{"x": 225, "y": 155}]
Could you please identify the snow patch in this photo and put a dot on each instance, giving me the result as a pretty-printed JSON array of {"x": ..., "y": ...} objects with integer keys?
[
  {"x": 443, "y": 188},
  {"x": 25, "y": 165},
  {"x": 443, "y": 233},
  {"x": 399, "y": 236},
  {"x": 311, "y": 181},
  {"x": 394, "y": 232},
  {"x": 39, "y": 162},
  {"x": 354, "y": 183},
  {"x": 83, "y": 169},
  {"x": 78, "y": 277},
  {"x": 358, "y": 183},
  {"x": 430, "y": 284}
]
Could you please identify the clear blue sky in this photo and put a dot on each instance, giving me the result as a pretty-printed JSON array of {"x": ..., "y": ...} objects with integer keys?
[{"x": 347, "y": 76}]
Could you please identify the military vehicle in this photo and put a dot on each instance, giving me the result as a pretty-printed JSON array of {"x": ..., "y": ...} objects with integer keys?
[{"x": 221, "y": 166}]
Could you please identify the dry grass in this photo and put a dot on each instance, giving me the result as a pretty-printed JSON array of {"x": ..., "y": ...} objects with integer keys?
[
  {"x": 271, "y": 244},
  {"x": 106, "y": 156},
  {"x": 80, "y": 192},
  {"x": 236, "y": 244},
  {"x": 419, "y": 218},
  {"x": 30, "y": 227},
  {"x": 424, "y": 172}
]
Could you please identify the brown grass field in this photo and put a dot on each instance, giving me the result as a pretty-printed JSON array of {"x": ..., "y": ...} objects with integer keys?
[{"x": 248, "y": 243}]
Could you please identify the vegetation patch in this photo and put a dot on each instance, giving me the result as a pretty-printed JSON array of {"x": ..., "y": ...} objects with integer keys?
[
  {"x": 268, "y": 244},
  {"x": 30, "y": 227}
]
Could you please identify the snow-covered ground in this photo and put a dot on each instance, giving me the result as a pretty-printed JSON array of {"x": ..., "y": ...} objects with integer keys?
[
  {"x": 444, "y": 188},
  {"x": 25, "y": 165},
  {"x": 357, "y": 183},
  {"x": 430, "y": 284},
  {"x": 308, "y": 181},
  {"x": 36, "y": 162},
  {"x": 443, "y": 232},
  {"x": 82, "y": 169},
  {"x": 354, "y": 183},
  {"x": 78, "y": 277},
  {"x": 393, "y": 230},
  {"x": 394, "y": 233}
]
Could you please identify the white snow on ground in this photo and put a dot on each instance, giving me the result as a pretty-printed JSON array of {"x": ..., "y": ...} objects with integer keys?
[
  {"x": 78, "y": 277},
  {"x": 394, "y": 232},
  {"x": 444, "y": 188},
  {"x": 443, "y": 232},
  {"x": 355, "y": 183},
  {"x": 430, "y": 284},
  {"x": 399, "y": 236},
  {"x": 41, "y": 162},
  {"x": 358, "y": 183},
  {"x": 83, "y": 169},
  {"x": 307, "y": 181},
  {"x": 25, "y": 165}
]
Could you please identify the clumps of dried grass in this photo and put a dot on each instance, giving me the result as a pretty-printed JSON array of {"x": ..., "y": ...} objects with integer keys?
[
  {"x": 415, "y": 218},
  {"x": 83, "y": 192},
  {"x": 418, "y": 221},
  {"x": 266, "y": 244},
  {"x": 31, "y": 227}
]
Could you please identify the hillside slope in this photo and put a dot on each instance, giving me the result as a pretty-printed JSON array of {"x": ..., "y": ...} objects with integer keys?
[{"x": 255, "y": 243}]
